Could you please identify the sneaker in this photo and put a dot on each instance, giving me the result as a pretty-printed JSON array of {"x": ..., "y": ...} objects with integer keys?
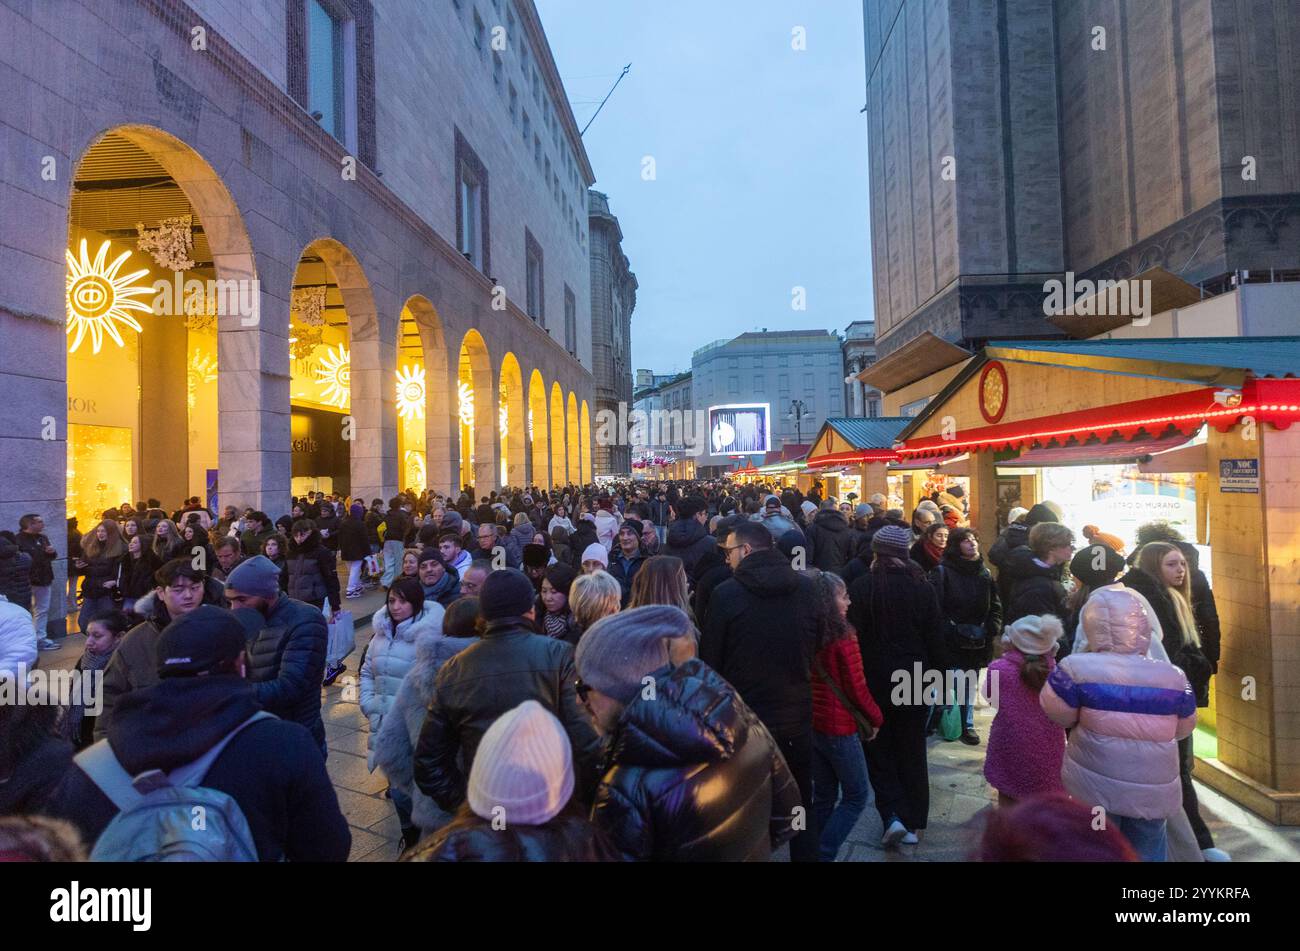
[
  {"x": 909, "y": 839},
  {"x": 354, "y": 593},
  {"x": 332, "y": 673},
  {"x": 894, "y": 834},
  {"x": 1216, "y": 855},
  {"x": 970, "y": 737},
  {"x": 47, "y": 644}
]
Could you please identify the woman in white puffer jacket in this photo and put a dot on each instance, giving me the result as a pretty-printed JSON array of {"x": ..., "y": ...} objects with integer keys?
[
  {"x": 397, "y": 626},
  {"x": 1126, "y": 712}
]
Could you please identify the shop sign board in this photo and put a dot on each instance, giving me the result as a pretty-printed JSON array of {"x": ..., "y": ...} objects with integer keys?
[{"x": 1239, "y": 475}]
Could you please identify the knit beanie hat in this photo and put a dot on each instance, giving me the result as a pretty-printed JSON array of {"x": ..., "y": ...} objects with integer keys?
[
  {"x": 893, "y": 541},
  {"x": 258, "y": 576},
  {"x": 809, "y": 508},
  {"x": 358, "y": 510},
  {"x": 523, "y": 767},
  {"x": 596, "y": 552},
  {"x": 618, "y": 650},
  {"x": 1041, "y": 513},
  {"x": 1035, "y": 635},
  {"x": 1016, "y": 514},
  {"x": 1084, "y": 565},
  {"x": 535, "y": 556},
  {"x": 1098, "y": 537},
  {"x": 507, "y": 592}
]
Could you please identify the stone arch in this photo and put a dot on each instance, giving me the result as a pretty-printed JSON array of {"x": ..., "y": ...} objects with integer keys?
[
  {"x": 559, "y": 461},
  {"x": 474, "y": 367},
  {"x": 513, "y": 433},
  {"x": 167, "y": 177},
  {"x": 418, "y": 312},
  {"x": 538, "y": 431},
  {"x": 584, "y": 441},
  {"x": 574, "y": 457},
  {"x": 369, "y": 422}
]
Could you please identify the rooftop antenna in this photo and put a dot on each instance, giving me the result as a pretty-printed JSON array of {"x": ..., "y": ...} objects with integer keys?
[{"x": 605, "y": 100}]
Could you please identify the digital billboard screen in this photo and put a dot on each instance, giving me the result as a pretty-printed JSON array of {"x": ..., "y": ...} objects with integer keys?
[{"x": 739, "y": 428}]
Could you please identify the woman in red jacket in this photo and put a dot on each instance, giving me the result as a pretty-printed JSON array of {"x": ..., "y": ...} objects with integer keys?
[{"x": 844, "y": 714}]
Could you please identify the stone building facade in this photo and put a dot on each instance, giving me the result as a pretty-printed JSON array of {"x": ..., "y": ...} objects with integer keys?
[
  {"x": 1011, "y": 143},
  {"x": 860, "y": 353},
  {"x": 613, "y": 298},
  {"x": 436, "y": 182}
]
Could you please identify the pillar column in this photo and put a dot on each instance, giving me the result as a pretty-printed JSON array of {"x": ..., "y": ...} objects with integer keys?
[{"x": 983, "y": 516}]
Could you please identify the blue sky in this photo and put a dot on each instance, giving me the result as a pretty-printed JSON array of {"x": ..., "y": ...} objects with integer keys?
[{"x": 760, "y": 153}]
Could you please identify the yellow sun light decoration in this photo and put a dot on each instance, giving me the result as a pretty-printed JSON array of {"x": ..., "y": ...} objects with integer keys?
[
  {"x": 98, "y": 297},
  {"x": 410, "y": 392},
  {"x": 503, "y": 421},
  {"x": 202, "y": 369},
  {"x": 335, "y": 375},
  {"x": 466, "y": 397}
]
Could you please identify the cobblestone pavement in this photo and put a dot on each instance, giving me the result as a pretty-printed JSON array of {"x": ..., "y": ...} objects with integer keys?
[{"x": 958, "y": 793}]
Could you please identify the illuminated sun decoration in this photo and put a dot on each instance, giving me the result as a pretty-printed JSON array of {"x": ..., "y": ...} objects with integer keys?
[
  {"x": 503, "y": 421},
  {"x": 98, "y": 297},
  {"x": 530, "y": 423},
  {"x": 466, "y": 394},
  {"x": 410, "y": 392},
  {"x": 335, "y": 375},
  {"x": 202, "y": 369}
]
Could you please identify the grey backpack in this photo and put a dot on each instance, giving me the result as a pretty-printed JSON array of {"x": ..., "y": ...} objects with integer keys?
[{"x": 169, "y": 817}]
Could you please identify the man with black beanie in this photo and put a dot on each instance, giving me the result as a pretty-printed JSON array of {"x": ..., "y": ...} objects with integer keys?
[
  {"x": 271, "y": 768},
  {"x": 507, "y": 665}
]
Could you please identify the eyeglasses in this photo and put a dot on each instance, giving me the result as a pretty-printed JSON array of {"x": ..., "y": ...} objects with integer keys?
[{"x": 583, "y": 689}]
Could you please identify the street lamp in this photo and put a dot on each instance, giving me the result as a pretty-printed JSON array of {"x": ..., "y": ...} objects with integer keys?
[{"x": 797, "y": 413}]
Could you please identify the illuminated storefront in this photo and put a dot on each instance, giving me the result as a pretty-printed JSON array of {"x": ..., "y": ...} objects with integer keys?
[
  {"x": 1198, "y": 432},
  {"x": 852, "y": 455}
]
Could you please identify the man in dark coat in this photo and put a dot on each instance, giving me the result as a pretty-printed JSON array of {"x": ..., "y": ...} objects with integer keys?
[
  {"x": 627, "y": 557},
  {"x": 1014, "y": 536},
  {"x": 688, "y": 535},
  {"x": 15, "y": 572},
  {"x": 506, "y": 666},
  {"x": 831, "y": 539},
  {"x": 692, "y": 774},
  {"x": 760, "y": 634},
  {"x": 286, "y": 649},
  {"x": 270, "y": 768},
  {"x": 32, "y": 542}
]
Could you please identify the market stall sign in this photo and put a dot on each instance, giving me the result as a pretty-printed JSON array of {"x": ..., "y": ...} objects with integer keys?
[{"x": 1239, "y": 475}]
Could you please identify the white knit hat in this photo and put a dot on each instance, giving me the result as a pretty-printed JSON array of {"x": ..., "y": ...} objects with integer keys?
[
  {"x": 809, "y": 508},
  {"x": 523, "y": 768},
  {"x": 596, "y": 552},
  {"x": 1035, "y": 635}
]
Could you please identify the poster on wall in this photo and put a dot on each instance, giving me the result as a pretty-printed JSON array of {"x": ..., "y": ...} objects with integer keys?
[{"x": 1118, "y": 499}]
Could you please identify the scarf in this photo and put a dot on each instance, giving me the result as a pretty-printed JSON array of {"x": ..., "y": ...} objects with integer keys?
[
  {"x": 934, "y": 552},
  {"x": 555, "y": 625}
]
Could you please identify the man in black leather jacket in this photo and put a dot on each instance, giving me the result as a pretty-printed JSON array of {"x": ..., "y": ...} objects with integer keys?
[
  {"x": 509, "y": 664},
  {"x": 692, "y": 774}
]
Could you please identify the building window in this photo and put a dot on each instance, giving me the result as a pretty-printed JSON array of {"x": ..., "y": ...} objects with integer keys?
[
  {"x": 808, "y": 384},
  {"x": 498, "y": 68},
  {"x": 471, "y": 205},
  {"x": 807, "y": 359},
  {"x": 325, "y": 71},
  {"x": 570, "y": 321},
  {"x": 535, "y": 279},
  {"x": 733, "y": 385},
  {"x": 783, "y": 383},
  {"x": 783, "y": 360},
  {"x": 758, "y": 383},
  {"x": 873, "y": 408}
]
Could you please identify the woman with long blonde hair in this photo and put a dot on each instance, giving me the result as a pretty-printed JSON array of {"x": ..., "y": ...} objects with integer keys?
[
  {"x": 594, "y": 596},
  {"x": 1162, "y": 576},
  {"x": 100, "y": 569},
  {"x": 167, "y": 541}
]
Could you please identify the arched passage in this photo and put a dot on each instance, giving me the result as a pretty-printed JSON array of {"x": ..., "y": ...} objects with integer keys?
[
  {"x": 421, "y": 317},
  {"x": 584, "y": 439},
  {"x": 538, "y": 431},
  {"x": 476, "y": 410},
  {"x": 139, "y": 305},
  {"x": 574, "y": 456},
  {"x": 559, "y": 462},
  {"x": 336, "y": 381},
  {"x": 511, "y": 424}
]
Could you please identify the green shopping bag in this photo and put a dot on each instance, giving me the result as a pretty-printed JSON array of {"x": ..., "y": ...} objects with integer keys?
[{"x": 951, "y": 725}]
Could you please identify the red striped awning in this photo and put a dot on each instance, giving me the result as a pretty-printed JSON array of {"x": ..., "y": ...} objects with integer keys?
[{"x": 1267, "y": 401}]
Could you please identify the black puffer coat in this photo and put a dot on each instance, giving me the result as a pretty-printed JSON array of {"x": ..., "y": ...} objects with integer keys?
[
  {"x": 694, "y": 776},
  {"x": 286, "y": 661},
  {"x": 1184, "y": 654},
  {"x": 569, "y": 837},
  {"x": 353, "y": 545},
  {"x": 967, "y": 595},
  {"x": 1035, "y": 589},
  {"x": 689, "y": 540},
  {"x": 313, "y": 572},
  {"x": 1013, "y": 536},
  {"x": 506, "y": 666},
  {"x": 833, "y": 542},
  {"x": 760, "y": 635},
  {"x": 15, "y": 573}
]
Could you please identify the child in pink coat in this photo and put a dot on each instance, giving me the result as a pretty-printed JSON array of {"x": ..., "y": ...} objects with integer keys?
[{"x": 1025, "y": 747}]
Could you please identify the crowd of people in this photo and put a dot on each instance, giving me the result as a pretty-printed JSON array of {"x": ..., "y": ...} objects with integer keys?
[{"x": 640, "y": 671}]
